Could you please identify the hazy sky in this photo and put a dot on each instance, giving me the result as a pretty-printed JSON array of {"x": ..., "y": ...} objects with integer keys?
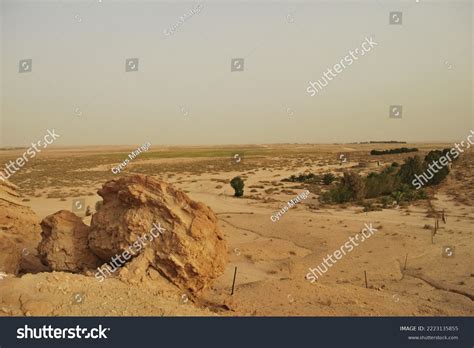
[{"x": 185, "y": 93}]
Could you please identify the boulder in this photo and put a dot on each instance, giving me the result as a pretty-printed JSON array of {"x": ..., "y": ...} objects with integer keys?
[
  {"x": 64, "y": 244},
  {"x": 159, "y": 227}
]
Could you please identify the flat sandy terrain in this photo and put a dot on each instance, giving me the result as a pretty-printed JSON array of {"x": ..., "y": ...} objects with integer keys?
[{"x": 272, "y": 258}]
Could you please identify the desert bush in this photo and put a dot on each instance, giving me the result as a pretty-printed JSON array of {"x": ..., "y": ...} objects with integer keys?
[
  {"x": 328, "y": 178},
  {"x": 421, "y": 194},
  {"x": 238, "y": 185},
  {"x": 338, "y": 194},
  {"x": 397, "y": 196},
  {"x": 442, "y": 173},
  {"x": 301, "y": 178},
  {"x": 381, "y": 184},
  {"x": 353, "y": 183},
  {"x": 411, "y": 167}
]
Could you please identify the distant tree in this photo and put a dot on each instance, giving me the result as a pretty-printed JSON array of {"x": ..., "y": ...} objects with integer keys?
[
  {"x": 238, "y": 185},
  {"x": 392, "y": 151}
]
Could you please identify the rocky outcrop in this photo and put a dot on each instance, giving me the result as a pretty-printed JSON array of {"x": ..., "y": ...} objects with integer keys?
[
  {"x": 64, "y": 244},
  {"x": 19, "y": 230},
  {"x": 161, "y": 228}
]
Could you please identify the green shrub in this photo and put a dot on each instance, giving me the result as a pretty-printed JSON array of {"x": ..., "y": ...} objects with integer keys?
[
  {"x": 328, "y": 178},
  {"x": 397, "y": 196},
  {"x": 380, "y": 184},
  {"x": 301, "y": 178},
  {"x": 238, "y": 185},
  {"x": 412, "y": 166},
  {"x": 442, "y": 173},
  {"x": 354, "y": 184},
  {"x": 338, "y": 194},
  {"x": 421, "y": 194}
]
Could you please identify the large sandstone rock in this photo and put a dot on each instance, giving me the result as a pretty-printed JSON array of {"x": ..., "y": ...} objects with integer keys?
[
  {"x": 187, "y": 247},
  {"x": 19, "y": 230},
  {"x": 64, "y": 246}
]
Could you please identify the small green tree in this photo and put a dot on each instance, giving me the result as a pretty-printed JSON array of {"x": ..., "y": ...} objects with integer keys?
[{"x": 238, "y": 185}]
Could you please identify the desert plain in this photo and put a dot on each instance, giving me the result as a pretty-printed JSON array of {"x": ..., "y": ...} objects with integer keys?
[{"x": 408, "y": 272}]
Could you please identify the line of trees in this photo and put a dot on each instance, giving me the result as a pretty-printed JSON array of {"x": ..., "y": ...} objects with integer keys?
[
  {"x": 393, "y": 151},
  {"x": 393, "y": 182}
]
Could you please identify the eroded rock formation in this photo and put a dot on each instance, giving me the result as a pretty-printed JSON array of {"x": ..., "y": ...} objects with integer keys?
[
  {"x": 64, "y": 244},
  {"x": 188, "y": 248},
  {"x": 19, "y": 230}
]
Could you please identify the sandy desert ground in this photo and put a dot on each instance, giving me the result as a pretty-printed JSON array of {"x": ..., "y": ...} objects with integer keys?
[{"x": 272, "y": 258}]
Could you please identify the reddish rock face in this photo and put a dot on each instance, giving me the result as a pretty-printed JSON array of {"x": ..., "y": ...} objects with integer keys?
[
  {"x": 189, "y": 249},
  {"x": 64, "y": 244},
  {"x": 19, "y": 229}
]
